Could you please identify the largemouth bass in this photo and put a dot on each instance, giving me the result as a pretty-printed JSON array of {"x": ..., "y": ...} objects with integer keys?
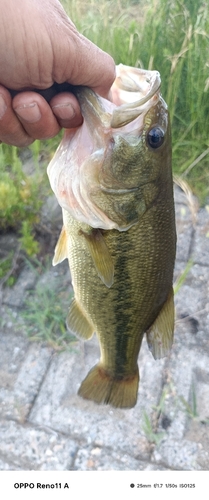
[{"x": 112, "y": 177}]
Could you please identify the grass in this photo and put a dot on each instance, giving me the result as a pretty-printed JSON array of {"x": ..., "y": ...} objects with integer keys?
[
  {"x": 191, "y": 409},
  {"x": 21, "y": 196},
  {"x": 150, "y": 432},
  {"x": 45, "y": 317},
  {"x": 182, "y": 277},
  {"x": 172, "y": 37},
  {"x": 150, "y": 424},
  {"x": 6, "y": 270}
]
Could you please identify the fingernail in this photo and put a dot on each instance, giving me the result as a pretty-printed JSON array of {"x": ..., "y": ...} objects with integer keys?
[
  {"x": 64, "y": 111},
  {"x": 29, "y": 113},
  {"x": 3, "y": 106}
]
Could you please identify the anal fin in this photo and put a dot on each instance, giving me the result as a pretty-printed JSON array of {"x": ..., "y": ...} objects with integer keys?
[
  {"x": 100, "y": 255},
  {"x": 102, "y": 388},
  {"x": 160, "y": 334},
  {"x": 77, "y": 322},
  {"x": 60, "y": 252}
]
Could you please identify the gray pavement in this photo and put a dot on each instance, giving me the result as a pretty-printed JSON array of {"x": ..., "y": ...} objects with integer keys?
[{"x": 44, "y": 425}]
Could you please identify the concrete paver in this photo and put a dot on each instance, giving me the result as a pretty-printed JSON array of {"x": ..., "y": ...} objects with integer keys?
[
  {"x": 31, "y": 448},
  {"x": 61, "y": 408},
  {"x": 46, "y": 426}
]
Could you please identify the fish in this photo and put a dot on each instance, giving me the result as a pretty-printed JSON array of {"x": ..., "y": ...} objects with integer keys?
[{"x": 112, "y": 176}]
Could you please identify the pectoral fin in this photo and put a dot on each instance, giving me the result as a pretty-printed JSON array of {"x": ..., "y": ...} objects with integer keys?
[
  {"x": 160, "y": 334},
  {"x": 60, "y": 252},
  {"x": 100, "y": 255},
  {"x": 77, "y": 322}
]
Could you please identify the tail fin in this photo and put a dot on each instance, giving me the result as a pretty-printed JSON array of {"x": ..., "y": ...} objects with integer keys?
[{"x": 100, "y": 387}]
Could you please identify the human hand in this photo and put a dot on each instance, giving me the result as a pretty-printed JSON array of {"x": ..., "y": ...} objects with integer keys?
[{"x": 39, "y": 45}]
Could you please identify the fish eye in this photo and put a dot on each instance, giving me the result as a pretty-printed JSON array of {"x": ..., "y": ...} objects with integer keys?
[{"x": 155, "y": 137}]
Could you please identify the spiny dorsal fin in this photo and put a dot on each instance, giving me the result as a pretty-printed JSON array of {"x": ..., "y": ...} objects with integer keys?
[
  {"x": 100, "y": 255},
  {"x": 160, "y": 334},
  {"x": 77, "y": 323},
  {"x": 60, "y": 252}
]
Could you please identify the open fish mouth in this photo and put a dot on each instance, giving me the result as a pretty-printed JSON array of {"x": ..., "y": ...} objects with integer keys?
[
  {"x": 132, "y": 89},
  {"x": 133, "y": 93}
]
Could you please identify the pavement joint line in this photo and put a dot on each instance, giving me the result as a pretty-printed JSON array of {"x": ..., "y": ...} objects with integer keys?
[{"x": 40, "y": 386}]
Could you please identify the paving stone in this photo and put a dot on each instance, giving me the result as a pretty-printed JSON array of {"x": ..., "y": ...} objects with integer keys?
[
  {"x": 156, "y": 467},
  {"x": 56, "y": 277},
  {"x": 184, "y": 224},
  {"x": 177, "y": 391},
  {"x": 4, "y": 466},
  {"x": 179, "y": 455},
  {"x": 58, "y": 406},
  {"x": 185, "y": 231},
  {"x": 100, "y": 458},
  {"x": 8, "y": 242},
  {"x": 46, "y": 426},
  {"x": 15, "y": 296},
  {"x": 30, "y": 377},
  {"x": 13, "y": 348},
  {"x": 186, "y": 402},
  {"x": 51, "y": 213},
  {"x": 22, "y": 368},
  {"x": 192, "y": 307},
  {"x": 197, "y": 432},
  {"x": 96, "y": 458},
  {"x": 200, "y": 250},
  {"x": 35, "y": 449}
]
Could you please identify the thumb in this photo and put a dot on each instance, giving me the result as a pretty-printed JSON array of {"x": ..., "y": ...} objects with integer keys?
[
  {"x": 80, "y": 62},
  {"x": 92, "y": 67}
]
